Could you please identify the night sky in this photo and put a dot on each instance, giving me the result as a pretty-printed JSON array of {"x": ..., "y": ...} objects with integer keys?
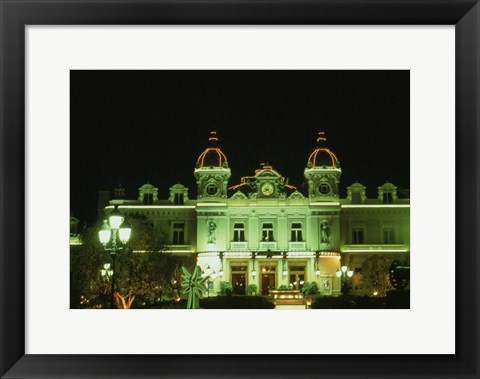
[{"x": 131, "y": 127}]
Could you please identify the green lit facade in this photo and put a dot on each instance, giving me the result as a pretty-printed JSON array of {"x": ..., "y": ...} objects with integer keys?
[{"x": 266, "y": 232}]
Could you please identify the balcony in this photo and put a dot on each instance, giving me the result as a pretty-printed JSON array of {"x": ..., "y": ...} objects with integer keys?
[
  {"x": 269, "y": 245},
  {"x": 239, "y": 246},
  {"x": 292, "y": 246},
  {"x": 368, "y": 248}
]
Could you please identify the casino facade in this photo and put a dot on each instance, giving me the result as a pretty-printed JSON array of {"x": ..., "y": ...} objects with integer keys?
[{"x": 266, "y": 232}]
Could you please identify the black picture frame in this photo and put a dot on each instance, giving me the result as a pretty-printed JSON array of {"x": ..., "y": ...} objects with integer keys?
[{"x": 15, "y": 15}]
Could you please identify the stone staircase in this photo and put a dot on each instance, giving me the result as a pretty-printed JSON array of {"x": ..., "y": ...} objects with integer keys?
[{"x": 288, "y": 299}]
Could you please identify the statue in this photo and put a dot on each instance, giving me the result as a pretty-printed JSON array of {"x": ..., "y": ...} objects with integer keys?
[
  {"x": 211, "y": 232},
  {"x": 193, "y": 286},
  {"x": 325, "y": 233}
]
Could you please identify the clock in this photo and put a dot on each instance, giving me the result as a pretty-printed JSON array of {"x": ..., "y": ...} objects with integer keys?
[{"x": 267, "y": 189}]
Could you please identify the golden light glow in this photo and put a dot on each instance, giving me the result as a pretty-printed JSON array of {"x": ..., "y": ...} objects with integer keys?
[
  {"x": 213, "y": 136},
  {"x": 313, "y": 156},
  {"x": 212, "y": 150},
  {"x": 244, "y": 180},
  {"x": 321, "y": 137},
  {"x": 209, "y": 150}
]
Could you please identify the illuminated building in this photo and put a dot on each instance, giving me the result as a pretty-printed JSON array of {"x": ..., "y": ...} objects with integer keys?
[{"x": 265, "y": 231}]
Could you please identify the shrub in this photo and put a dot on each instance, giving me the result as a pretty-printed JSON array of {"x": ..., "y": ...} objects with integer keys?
[
  {"x": 237, "y": 302},
  {"x": 310, "y": 288},
  {"x": 283, "y": 287},
  {"x": 252, "y": 288},
  {"x": 226, "y": 288}
]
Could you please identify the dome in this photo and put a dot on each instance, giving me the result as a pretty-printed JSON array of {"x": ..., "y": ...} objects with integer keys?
[
  {"x": 147, "y": 186},
  {"x": 356, "y": 186},
  {"x": 212, "y": 156},
  {"x": 388, "y": 186},
  {"x": 322, "y": 156}
]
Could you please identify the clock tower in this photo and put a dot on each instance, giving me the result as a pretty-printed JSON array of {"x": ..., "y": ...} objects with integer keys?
[
  {"x": 322, "y": 172},
  {"x": 212, "y": 172}
]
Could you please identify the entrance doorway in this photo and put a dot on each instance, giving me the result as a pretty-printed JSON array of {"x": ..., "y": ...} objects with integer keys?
[
  {"x": 297, "y": 277},
  {"x": 268, "y": 279},
  {"x": 239, "y": 280}
]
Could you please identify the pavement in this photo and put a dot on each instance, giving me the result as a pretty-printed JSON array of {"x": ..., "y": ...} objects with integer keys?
[{"x": 288, "y": 306}]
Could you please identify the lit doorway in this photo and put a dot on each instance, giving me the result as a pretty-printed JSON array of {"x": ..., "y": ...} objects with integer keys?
[
  {"x": 268, "y": 279},
  {"x": 239, "y": 280},
  {"x": 297, "y": 277}
]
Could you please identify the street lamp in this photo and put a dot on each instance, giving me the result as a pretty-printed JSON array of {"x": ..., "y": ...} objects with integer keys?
[
  {"x": 113, "y": 235},
  {"x": 345, "y": 273},
  {"x": 317, "y": 269},
  {"x": 284, "y": 265},
  {"x": 209, "y": 274},
  {"x": 220, "y": 272},
  {"x": 106, "y": 272},
  {"x": 254, "y": 272}
]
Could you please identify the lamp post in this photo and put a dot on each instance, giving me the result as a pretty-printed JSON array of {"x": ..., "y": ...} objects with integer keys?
[
  {"x": 106, "y": 271},
  {"x": 254, "y": 272},
  {"x": 317, "y": 269},
  {"x": 345, "y": 273},
  {"x": 209, "y": 274},
  {"x": 114, "y": 234},
  {"x": 284, "y": 265},
  {"x": 220, "y": 256}
]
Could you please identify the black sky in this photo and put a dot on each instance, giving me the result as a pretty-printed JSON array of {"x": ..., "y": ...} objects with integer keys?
[{"x": 138, "y": 126}]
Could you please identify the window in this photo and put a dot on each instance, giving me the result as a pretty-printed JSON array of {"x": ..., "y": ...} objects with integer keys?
[
  {"x": 267, "y": 232},
  {"x": 387, "y": 198},
  {"x": 356, "y": 198},
  {"x": 296, "y": 232},
  {"x": 178, "y": 233},
  {"x": 239, "y": 232},
  {"x": 388, "y": 236},
  {"x": 358, "y": 236},
  {"x": 148, "y": 198},
  {"x": 178, "y": 199}
]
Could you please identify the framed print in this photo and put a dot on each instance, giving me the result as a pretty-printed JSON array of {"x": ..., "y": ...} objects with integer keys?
[{"x": 239, "y": 130}]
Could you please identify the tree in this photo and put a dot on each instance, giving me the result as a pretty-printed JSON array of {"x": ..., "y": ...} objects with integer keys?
[
  {"x": 86, "y": 260},
  {"x": 375, "y": 270},
  {"x": 144, "y": 271}
]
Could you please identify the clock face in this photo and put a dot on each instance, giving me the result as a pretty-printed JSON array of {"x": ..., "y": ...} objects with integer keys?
[{"x": 267, "y": 189}]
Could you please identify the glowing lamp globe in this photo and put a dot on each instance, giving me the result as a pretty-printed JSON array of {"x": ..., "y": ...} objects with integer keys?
[
  {"x": 115, "y": 218},
  {"x": 104, "y": 233},
  {"x": 124, "y": 232},
  {"x": 208, "y": 271},
  {"x": 317, "y": 273},
  {"x": 338, "y": 273},
  {"x": 344, "y": 268},
  {"x": 350, "y": 273}
]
